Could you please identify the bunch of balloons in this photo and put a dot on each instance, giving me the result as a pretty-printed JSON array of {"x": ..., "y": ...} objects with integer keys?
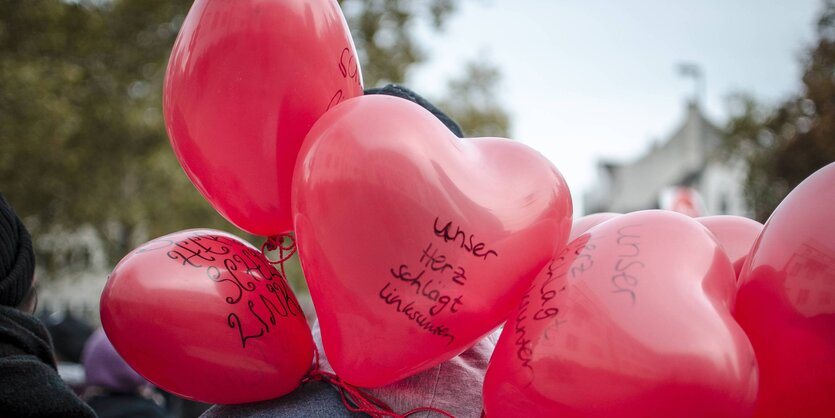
[
  {"x": 416, "y": 244},
  {"x": 656, "y": 314}
]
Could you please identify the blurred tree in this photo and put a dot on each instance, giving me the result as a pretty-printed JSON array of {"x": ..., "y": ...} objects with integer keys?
[
  {"x": 82, "y": 139},
  {"x": 384, "y": 35},
  {"x": 786, "y": 144},
  {"x": 472, "y": 102}
]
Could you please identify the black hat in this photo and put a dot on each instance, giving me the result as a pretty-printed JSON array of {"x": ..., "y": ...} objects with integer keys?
[
  {"x": 404, "y": 93},
  {"x": 17, "y": 260}
]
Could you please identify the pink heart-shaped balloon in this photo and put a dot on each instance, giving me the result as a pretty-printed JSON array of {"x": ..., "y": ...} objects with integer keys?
[
  {"x": 245, "y": 82},
  {"x": 203, "y": 315},
  {"x": 630, "y": 320},
  {"x": 415, "y": 244},
  {"x": 736, "y": 234},
  {"x": 786, "y": 302}
]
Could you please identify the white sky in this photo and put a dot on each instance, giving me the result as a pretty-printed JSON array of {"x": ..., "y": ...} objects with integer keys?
[{"x": 585, "y": 79}]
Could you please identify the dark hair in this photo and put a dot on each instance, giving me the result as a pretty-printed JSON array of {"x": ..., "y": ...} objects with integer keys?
[{"x": 404, "y": 93}]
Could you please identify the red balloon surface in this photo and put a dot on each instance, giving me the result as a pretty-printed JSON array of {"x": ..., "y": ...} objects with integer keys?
[
  {"x": 415, "y": 243},
  {"x": 583, "y": 224},
  {"x": 786, "y": 302},
  {"x": 736, "y": 234},
  {"x": 203, "y": 315},
  {"x": 629, "y": 320},
  {"x": 245, "y": 82}
]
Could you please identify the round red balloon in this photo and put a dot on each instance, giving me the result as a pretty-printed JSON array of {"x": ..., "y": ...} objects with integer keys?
[
  {"x": 415, "y": 243},
  {"x": 736, "y": 234},
  {"x": 630, "y": 320},
  {"x": 245, "y": 82},
  {"x": 203, "y": 315},
  {"x": 786, "y": 302}
]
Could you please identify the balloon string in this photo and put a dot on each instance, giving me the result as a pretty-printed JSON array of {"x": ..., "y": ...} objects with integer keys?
[
  {"x": 286, "y": 246},
  {"x": 357, "y": 400}
]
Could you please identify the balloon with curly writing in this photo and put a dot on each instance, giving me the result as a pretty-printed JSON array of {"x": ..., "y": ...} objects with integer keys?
[
  {"x": 786, "y": 302},
  {"x": 736, "y": 234},
  {"x": 245, "y": 82},
  {"x": 630, "y": 320},
  {"x": 414, "y": 242},
  {"x": 203, "y": 315}
]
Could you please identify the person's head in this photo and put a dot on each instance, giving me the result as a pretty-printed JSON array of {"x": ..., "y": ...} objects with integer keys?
[
  {"x": 17, "y": 260},
  {"x": 405, "y": 93},
  {"x": 69, "y": 335}
]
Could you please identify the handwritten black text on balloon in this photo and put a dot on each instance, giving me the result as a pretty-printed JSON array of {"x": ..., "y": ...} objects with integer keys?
[
  {"x": 463, "y": 240},
  {"x": 243, "y": 269},
  {"x": 391, "y": 297}
]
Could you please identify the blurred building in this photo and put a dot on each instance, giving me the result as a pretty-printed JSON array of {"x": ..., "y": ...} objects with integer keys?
[{"x": 688, "y": 158}]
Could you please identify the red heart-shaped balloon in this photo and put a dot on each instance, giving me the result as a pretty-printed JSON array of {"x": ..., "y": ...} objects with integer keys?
[
  {"x": 630, "y": 320},
  {"x": 202, "y": 314},
  {"x": 415, "y": 244},
  {"x": 245, "y": 82},
  {"x": 736, "y": 234},
  {"x": 786, "y": 302}
]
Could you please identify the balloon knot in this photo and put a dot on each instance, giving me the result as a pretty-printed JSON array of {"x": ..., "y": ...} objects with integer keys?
[
  {"x": 286, "y": 246},
  {"x": 284, "y": 243}
]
